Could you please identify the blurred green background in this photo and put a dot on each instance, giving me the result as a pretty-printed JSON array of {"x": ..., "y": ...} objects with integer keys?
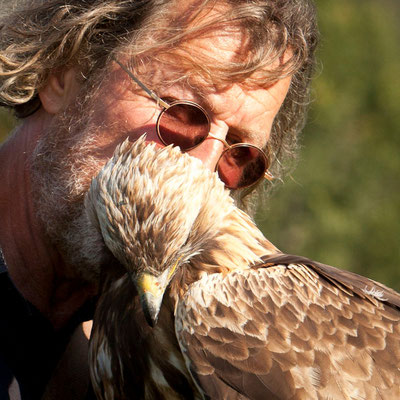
[{"x": 341, "y": 205}]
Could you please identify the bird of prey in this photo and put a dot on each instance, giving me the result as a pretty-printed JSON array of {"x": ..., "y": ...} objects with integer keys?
[{"x": 202, "y": 306}]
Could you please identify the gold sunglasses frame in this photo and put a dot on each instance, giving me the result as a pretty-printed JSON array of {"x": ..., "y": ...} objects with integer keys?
[{"x": 165, "y": 106}]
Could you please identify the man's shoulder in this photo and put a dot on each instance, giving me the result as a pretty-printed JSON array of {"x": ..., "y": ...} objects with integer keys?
[{"x": 30, "y": 347}]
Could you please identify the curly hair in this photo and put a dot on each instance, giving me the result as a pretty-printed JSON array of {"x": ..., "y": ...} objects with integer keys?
[{"x": 40, "y": 36}]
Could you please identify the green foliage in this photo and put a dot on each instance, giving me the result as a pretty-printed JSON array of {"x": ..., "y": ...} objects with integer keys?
[{"x": 342, "y": 204}]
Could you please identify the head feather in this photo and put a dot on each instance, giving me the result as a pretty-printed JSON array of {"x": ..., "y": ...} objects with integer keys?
[{"x": 138, "y": 202}]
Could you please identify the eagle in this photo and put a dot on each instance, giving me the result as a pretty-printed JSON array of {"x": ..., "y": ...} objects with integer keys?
[{"x": 200, "y": 305}]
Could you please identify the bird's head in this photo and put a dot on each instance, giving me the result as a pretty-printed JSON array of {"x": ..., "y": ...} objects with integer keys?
[{"x": 156, "y": 208}]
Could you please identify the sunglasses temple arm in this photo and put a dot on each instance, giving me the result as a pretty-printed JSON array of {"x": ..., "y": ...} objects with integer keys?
[
  {"x": 268, "y": 176},
  {"x": 159, "y": 101}
]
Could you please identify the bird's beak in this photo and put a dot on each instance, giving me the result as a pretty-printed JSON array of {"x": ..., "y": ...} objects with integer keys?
[{"x": 151, "y": 290}]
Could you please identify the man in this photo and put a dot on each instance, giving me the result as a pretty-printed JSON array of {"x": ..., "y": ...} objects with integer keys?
[{"x": 70, "y": 71}]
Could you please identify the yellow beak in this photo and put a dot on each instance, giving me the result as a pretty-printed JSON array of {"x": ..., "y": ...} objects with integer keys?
[{"x": 151, "y": 290}]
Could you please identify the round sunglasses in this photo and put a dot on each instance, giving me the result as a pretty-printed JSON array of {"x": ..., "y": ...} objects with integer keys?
[{"x": 186, "y": 124}]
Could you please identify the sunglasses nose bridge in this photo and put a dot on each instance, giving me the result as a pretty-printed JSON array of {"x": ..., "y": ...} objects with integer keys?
[{"x": 223, "y": 141}]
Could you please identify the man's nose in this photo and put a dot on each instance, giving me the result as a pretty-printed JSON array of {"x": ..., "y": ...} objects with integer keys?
[{"x": 209, "y": 152}]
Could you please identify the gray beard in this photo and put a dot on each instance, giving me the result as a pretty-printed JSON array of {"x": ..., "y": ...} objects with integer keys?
[{"x": 62, "y": 166}]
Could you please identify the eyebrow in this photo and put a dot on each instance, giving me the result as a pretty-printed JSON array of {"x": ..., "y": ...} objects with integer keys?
[{"x": 248, "y": 136}]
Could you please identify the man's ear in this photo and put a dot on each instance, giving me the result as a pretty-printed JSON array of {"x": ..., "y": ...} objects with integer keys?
[{"x": 60, "y": 90}]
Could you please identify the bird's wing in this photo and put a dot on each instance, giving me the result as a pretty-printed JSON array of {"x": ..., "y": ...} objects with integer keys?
[
  {"x": 363, "y": 287},
  {"x": 127, "y": 358},
  {"x": 291, "y": 332},
  {"x": 108, "y": 364}
]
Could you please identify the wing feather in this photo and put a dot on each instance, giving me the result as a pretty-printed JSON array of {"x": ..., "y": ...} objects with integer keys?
[{"x": 291, "y": 331}]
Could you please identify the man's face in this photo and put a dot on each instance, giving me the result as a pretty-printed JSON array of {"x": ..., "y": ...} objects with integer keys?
[{"x": 79, "y": 142}]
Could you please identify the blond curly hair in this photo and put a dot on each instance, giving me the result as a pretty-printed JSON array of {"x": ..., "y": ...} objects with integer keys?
[{"x": 40, "y": 36}]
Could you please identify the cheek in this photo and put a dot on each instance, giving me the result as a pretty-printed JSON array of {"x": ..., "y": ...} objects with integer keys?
[{"x": 118, "y": 120}]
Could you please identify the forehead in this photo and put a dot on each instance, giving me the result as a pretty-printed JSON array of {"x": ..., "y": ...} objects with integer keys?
[
  {"x": 202, "y": 61},
  {"x": 209, "y": 35},
  {"x": 205, "y": 48},
  {"x": 212, "y": 29}
]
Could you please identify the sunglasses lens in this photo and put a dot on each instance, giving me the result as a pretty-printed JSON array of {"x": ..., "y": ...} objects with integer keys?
[
  {"x": 183, "y": 124},
  {"x": 186, "y": 124},
  {"x": 241, "y": 166}
]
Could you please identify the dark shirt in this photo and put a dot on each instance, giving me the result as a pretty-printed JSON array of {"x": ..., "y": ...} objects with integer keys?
[{"x": 29, "y": 346}]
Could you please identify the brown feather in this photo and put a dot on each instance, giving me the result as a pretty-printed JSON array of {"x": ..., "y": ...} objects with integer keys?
[
  {"x": 343, "y": 356},
  {"x": 240, "y": 320}
]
